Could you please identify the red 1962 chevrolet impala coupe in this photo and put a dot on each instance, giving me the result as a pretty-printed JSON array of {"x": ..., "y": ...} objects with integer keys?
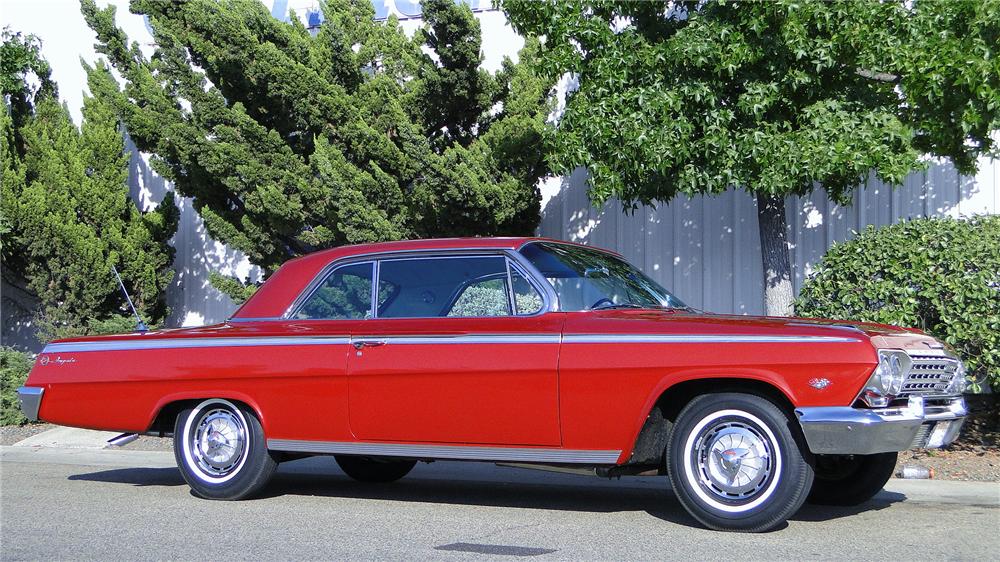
[{"x": 523, "y": 351}]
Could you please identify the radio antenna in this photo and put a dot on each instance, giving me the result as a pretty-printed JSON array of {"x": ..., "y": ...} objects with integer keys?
[{"x": 140, "y": 326}]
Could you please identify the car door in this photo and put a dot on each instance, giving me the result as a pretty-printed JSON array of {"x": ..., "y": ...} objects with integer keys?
[
  {"x": 460, "y": 351},
  {"x": 324, "y": 318}
]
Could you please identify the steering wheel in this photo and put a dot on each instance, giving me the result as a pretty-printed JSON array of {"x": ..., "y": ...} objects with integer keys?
[{"x": 602, "y": 302}]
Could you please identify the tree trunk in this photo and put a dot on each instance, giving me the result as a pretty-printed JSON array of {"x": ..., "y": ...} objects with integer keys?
[{"x": 773, "y": 229}]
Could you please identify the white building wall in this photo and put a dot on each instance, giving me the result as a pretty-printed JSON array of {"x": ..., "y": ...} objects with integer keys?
[{"x": 704, "y": 249}]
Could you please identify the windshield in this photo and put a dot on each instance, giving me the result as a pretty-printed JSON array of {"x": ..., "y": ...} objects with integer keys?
[{"x": 586, "y": 279}]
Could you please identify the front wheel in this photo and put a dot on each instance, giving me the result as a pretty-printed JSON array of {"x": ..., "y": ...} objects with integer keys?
[
  {"x": 735, "y": 464},
  {"x": 221, "y": 451},
  {"x": 850, "y": 479}
]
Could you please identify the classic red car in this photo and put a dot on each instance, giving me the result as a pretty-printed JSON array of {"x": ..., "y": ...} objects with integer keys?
[{"x": 526, "y": 351}]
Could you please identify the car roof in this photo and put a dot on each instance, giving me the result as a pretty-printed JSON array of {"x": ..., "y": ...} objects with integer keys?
[{"x": 282, "y": 287}]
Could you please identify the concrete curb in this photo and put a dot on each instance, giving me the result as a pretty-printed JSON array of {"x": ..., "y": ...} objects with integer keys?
[
  {"x": 986, "y": 494},
  {"x": 68, "y": 438}
]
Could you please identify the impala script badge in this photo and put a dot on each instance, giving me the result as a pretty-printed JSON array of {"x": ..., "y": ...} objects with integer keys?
[{"x": 46, "y": 359}]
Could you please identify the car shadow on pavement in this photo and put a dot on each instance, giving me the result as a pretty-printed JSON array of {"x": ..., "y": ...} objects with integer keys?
[
  {"x": 524, "y": 491},
  {"x": 481, "y": 484},
  {"x": 135, "y": 476}
]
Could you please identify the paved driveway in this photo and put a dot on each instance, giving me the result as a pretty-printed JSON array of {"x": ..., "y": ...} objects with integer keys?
[{"x": 125, "y": 505}]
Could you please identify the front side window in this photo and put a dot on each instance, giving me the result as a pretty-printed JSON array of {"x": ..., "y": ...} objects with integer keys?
[
  {"x": 586, "y": 279},
  {"x": 345, "y": 294},
  {"x": 452, "y": 286}
]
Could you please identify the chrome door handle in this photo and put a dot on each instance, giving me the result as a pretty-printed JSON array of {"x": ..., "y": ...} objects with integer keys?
[{"x": 358, "y": 344}]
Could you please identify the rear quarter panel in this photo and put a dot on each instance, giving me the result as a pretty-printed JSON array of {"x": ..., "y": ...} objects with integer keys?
[{"x": 298, "y": 391}]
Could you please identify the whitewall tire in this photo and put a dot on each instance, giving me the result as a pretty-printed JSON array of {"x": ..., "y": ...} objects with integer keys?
[
  {"x": 736, "y": 464},
  {"x": 220, "y": 449}
]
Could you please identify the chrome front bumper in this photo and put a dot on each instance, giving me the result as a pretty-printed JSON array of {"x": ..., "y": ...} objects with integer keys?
[
  {"x": 845, "y": 430},
  {"x": 30, "y": 399}
]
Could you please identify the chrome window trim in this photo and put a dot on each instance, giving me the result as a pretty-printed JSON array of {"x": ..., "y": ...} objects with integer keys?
[
  {"x": 316, "y": 283},
  {"x": 511, "y": 298},
  {"x": 372, "y": 257},
  {"x": 498, "y": 254},
  {"x": 529, "y": 273},
  {"x": 549, "y": 299},
  {"x": 376, "y": 268},
  {"x": 453, "y": 452}
]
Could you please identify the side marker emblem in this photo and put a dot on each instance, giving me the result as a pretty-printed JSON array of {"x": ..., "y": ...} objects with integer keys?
[{"x": 819, "y": 384}]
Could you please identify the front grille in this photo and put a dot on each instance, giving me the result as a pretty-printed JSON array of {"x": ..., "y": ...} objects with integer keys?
[{"x": 929, "y": 374}]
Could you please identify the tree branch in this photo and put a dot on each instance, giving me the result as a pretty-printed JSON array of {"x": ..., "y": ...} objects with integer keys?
[{"x": 880, "y": 76}]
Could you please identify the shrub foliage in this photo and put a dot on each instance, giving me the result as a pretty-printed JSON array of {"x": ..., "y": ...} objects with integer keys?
[
  {"x": 939, "y": 275},
  {"x": 14, "y": 367}
]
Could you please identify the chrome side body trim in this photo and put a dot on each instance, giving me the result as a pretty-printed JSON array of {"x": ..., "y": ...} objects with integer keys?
[
  {"x": 845, "y": 430},
  {"x": 680, "y": 338},
  {"x": 475, "y": 339},
  {"x": 30, "y": 400},
  {"x": 512, "y": 338},
  {"x": 179, "y": 343},
  {"x": 453, "y": 452}
]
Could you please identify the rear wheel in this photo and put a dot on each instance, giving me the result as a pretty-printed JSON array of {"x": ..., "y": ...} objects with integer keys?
[
  {"x": 366, "y": 469},
  {"x": 850, "y": 479},
  {"x": 735, "y": 464},
  {"x": 220, "y": 449}
]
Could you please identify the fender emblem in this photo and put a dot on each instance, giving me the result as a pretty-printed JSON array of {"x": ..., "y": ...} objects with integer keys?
[
  {"x": 819, "y": 384},
  {"x": 46, "y": 359}
]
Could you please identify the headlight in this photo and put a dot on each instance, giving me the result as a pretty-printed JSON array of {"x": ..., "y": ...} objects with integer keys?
[
  {"x": 958, "y": 381},
  {"x": 887, "y": 380}
]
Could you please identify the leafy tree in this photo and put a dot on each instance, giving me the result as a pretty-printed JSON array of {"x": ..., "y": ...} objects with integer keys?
[
  {"x": 66, "y": 209},
  {"x": 290, "y": 142},
  {"x": 776, "y": 97}
]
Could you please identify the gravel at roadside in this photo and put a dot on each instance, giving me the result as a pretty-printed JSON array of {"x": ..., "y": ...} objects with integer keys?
[{"x": 10, "y": 434}]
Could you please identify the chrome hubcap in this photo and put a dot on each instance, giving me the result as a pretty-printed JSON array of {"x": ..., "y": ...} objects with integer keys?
[
  {"x": 734, "y": 460},
  {"x": 218, "y": 442}
]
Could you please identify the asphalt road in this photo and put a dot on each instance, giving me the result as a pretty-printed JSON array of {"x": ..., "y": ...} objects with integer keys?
[{"x": 126, "y": 505}]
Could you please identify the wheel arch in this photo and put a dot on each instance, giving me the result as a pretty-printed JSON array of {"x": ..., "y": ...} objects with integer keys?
[
  {"x": 661, "y": 409},
  {"x": 166, "y": 410}
]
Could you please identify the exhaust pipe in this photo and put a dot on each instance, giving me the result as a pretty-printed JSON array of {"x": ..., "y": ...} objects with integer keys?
[{"x": 123, "y": 439}]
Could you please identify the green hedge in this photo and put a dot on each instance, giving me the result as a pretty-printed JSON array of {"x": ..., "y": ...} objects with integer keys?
[
  {"x": 14, "y": 367},
  {"x": 939, "y": 275}
]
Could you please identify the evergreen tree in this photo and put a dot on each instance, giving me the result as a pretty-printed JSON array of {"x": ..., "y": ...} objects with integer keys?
[
  {"x": 66, "y": 209},
  {"x": 289, "y": 142}
]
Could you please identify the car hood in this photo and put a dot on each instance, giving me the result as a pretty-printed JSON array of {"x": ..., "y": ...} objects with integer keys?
[{"x": 682, "y": 321}]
